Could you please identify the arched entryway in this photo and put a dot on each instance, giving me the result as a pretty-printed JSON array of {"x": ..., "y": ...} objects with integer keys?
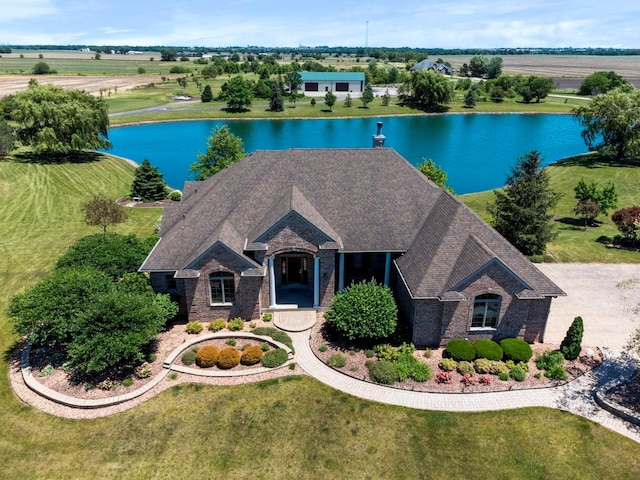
[{"x": 294, "y": 279}]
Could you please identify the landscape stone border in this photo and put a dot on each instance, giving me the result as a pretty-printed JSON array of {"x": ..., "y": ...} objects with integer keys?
[
  {"x": 167, "y": 365},
  {"x": 602, "y": 399}
]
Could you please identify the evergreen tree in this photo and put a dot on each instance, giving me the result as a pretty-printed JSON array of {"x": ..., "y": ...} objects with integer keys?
[
  {"x": 347, "y": 101},
  {"x": 367, "y": 96},
  {"x": 148, "y": 183},
  {"x": 207, "y": 96},
  {"x": 386, "y": 98},
  {"x": 7, "y": 142},
  {"x": 276, "y": 102},
  {"x": 572, "y": 343},
  {"x": 470, "y": 98},
  {"x": 520, "y": 212}
]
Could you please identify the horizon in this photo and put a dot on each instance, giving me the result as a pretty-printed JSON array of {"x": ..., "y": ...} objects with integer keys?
[{"x": 545, "y": 24}]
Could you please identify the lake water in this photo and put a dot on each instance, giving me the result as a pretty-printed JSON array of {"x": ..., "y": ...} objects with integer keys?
[{"x": 476, "y": 151}]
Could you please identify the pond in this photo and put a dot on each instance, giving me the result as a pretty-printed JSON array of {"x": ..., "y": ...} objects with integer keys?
[{"x": 477, "y": 151}]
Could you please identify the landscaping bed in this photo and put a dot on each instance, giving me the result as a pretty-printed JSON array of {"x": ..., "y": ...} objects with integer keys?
[
  {"x": 627, "y": 394},
  {"x": 332, "y": 351}
]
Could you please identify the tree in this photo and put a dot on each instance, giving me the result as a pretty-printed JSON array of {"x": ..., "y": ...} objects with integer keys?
[
  {"x": 7, "y": 142},
  {"x": 206, "y": 96},
  {"x": 329, "y": 100},
  {"x": 111, "y": 253},
  {"x": 611, "y": 122},
  {"x": 313, "y": 102},
  {"x": 276, "y": 102},
  {"x": 435, "y": 173},
  {"x": 572, "y": 342},
  {"x": 223, "y": 149},
  {"x": 103, "y": 211},
  {"x": 520, "y": 212},
  {"x": 294, "y": 80},
  {"x": 606, "y": 197},
  {"x": 628, "y": 222},
  {"x": 148, "y": 183},
  {"x": 367, "y": 96},
  {"x": 41, "y": 68},
  {"x": 494, "y": 68},
  {"x": 588, "y": 210},
  {"x": 348, "y": 101},
  {"x": 168, "y": 55},
  {"x": 53, "y": 120},
  {"x": 601, "y": 82},
  {"x": 428, "y": 88},
  {"x": 238, "y": 93},
  {"x": 470, "y": 98},
  {"x": 363, "y": 311},
  {"x": 478, "y": 66},
  {"x": 534, "y": 87},
  {"x": 386, "y": 98}
]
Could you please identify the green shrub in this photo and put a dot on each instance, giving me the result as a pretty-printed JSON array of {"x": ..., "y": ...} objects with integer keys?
[
  {"x": 466, "y": 368},
  {"x": 46, "y": 371},
  {"x": 572, "y": 343},
  {"x": 364, "y": 310},
  {"x": 275, "y": 358},
  {"x": 175, "y": 196},
  {"x": 499, "y": 368},
  {"x": 323, "y": 348},
  {"x": 231, "y": 342},
  {"x": 267, "y": 317},
  {"x": 386, "y": 352},
  {"x": 251, "y": 355},
  {"x": 383, "y": 372},
  {"x": 265, "y": 347},
  {"x": 228, "y": 357},
  {"x": 277, "y": 335},
  {"x": 127, "y": 382},
  {"x": 556, "y": 373},
  {"x": 503, "y": 376},
  {"x": 236, "y": 324},
  {"x": 448, "y": 364},
  {"x": 337, "y": 360},
  {"x": 460, "y": 350},
  {"x": 143, "y": 370},
  {"x": 488, "y": 349},
  {"x": 207, "y": 356},
  {"x": 189, "y": 358},
  {"x": 427, "y": 353},
  {"x": 193, "y": 328},
  {"x": 217, "y": 325},
  {"x": 421, "y": 372},
  {"x": 516, "y": 349},
  {"x": 370, "y": 353},
  {"x": 518, "y": 374},
  {"x": 549, "y": 359},
  {"x": 538, "y": 376},
  {"x": 172, "y": 376},
  {"x": 482, "y": 365}
]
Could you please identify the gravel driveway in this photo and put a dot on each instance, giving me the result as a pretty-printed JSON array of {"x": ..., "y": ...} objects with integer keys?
[{"x": 606, "y": 296}]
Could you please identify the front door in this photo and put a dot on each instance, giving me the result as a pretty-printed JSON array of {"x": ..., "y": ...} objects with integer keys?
[{"x": 295, "y": 269}]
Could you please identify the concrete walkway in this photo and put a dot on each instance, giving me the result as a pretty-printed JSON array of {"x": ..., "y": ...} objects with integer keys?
[{"x": 575, "y": 397}]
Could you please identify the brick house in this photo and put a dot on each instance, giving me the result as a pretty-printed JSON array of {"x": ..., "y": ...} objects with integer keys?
[{"x": 289, "y": 229}]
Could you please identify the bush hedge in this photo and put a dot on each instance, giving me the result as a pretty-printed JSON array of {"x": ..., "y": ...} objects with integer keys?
[
  {"x": 516, "y": 349},
  {"x": 189, "y": 358},
  {"x": 275, "y": 358},
  {"x": 251, "y": 355},
  {"x": 228, "y": 357},
  {"x": 217, "y": 324},
  {"x": 207, "y": 356},
  {"x": 235, "y": 324},
  {"x": 277, "y": 335},
  {"x": 337, "y": 360},
  {"x": 193, "y": 328},
  {"x": 460, "y": 350},
  {"x": 488, "y": 349},
  {"x": 383, "y": 372}
]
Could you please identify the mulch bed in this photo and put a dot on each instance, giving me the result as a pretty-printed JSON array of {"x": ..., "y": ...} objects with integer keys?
[
  {"x": 356, "y": 359},
  {"x": 627, "y": 394}
]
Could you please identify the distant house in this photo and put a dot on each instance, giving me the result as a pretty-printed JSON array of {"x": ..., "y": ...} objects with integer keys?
[
  {"x": 288, "y": 229},
  {"x": 435, "y": 66},
  {"x": 347, "y": 82}
]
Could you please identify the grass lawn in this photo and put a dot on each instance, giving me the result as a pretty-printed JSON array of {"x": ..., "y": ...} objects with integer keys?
[
  {"x": 292, "y": 428},
  {"x": 574, "y": 244}
]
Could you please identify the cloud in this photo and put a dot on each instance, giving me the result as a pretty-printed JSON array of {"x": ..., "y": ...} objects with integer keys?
[{"x": 10, "y": 10}]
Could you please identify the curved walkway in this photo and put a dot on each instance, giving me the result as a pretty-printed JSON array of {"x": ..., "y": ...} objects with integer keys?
[{"x": 575, "y": 397}]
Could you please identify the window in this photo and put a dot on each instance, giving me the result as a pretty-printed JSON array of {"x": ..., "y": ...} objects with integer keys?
[
  {"x": 311, "y": 87},
  {"x": 222, "y": 287},
  {"x": 342, "y": 86},
  {"x": 486, "y": 310}
]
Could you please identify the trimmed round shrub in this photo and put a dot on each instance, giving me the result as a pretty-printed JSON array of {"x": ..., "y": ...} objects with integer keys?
[
  {"x": 275, "y": 358},
  {"x": 217, "y": 325},
  {"x": 337, "y": 360},
  {"x": 236, "y": 324},
  {"x": 466, "y": 368},
  {"x": 383, "y": 372},
  {"x": 503, "y": 376},
  {"x": 516, "y": 349},
  {"x": 228, "y": 357},
  {"x": 488, "y": 349},
  {"x": 448, "y": 364},
  {"x": 175, "y": 196},
  {"x": 460, "y": 350},
  {"x": 518, "y": 374},
  {"x": 421, "y": 372},
  {"x": 482, "y": 365},
  {"x": 189, "y": 358},
  {"x": 193, "y": 328},
  {"x": 207, "y": 356},
  {"x": 251, "y": 355}
]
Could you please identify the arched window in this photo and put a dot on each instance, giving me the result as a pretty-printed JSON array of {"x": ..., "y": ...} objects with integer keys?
[
  {"x": 486, "y": 311},
  {"x": 223, "y": 289}
]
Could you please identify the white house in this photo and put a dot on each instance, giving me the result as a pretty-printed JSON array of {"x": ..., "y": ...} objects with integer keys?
[{"x": 347, "y": 82}]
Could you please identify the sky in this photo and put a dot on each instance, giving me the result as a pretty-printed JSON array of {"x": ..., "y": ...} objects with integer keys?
[{"x": 354, "y": 23}]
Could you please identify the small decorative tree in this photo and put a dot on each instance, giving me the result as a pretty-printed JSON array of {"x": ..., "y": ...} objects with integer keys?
[
  {"x": 348, "y": 101},
  {"x": 103, "y": 211},
  {"x": 434, "y": 173},
  {"x": 572, "y": 343},
  {"x": 313, "y": 102},
  {"x": 329, "y": 100},
  {"x": 206, "y": 96},
  {"x": 386, "y": 98},
  {"x": 364, "y": 311},
  {"x": 628, "y": 222},
  {"x": 367, "y": 96}
]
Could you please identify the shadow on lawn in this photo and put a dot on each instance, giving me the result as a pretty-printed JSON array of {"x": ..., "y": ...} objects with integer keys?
[
  {"x": 595, "y": 160},
  {"x": 56, "y": 158}
]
